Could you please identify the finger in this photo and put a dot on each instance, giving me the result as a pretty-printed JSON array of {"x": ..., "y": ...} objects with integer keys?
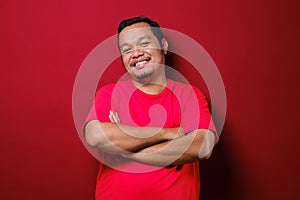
[
  {"x": 111, "y": 119},
  {"x": 110, "y": 116},
  {"x": 117, "y": 118}
]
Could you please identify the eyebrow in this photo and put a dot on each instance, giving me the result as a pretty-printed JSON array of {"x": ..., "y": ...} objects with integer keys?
[{"x": 139, "y": 39}]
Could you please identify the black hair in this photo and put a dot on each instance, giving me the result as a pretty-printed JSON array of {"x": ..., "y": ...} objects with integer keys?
[{"x": 155, "y": 28}]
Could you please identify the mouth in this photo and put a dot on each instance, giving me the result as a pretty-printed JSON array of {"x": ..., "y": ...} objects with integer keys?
[{"x": 141, "y": 62}]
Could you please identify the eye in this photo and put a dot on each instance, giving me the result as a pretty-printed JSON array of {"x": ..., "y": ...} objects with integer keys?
[
  {"x": 144, "y": 44},
  {"x": 126, "y": 50}
]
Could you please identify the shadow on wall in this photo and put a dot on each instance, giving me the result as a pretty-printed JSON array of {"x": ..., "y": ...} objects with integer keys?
[{"x": 219, "y": 175}]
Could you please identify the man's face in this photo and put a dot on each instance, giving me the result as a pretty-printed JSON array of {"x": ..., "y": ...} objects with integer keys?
[{"x": 141, "y": 52}]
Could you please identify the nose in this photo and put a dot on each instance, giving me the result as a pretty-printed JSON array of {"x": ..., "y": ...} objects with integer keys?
[{"x": 136, "y": 52}]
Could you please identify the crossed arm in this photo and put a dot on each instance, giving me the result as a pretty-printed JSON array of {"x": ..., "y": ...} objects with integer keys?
[{"x": 150, "y": 145}]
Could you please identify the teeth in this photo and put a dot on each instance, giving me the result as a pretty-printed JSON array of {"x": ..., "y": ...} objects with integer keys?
[{"x": 140, "y": 63}]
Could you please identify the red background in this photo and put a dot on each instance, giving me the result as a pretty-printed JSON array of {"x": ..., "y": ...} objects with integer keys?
[{"x": 255, "y": 45}]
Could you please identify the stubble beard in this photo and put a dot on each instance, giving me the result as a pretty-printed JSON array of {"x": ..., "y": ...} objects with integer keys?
[{"x": 144, "y": 76}]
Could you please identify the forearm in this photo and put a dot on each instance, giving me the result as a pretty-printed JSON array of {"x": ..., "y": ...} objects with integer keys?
[
  {"x": 118, "y": 138},
  {"x": 196, "y": 145}
]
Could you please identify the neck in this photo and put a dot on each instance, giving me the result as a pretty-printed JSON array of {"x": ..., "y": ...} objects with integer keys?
[{"x": 152, "y": 87}]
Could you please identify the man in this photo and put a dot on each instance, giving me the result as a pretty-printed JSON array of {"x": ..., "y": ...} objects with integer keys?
[{"x": 151, "y": 130}]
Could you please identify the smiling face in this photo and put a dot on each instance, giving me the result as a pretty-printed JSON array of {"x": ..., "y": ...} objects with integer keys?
[{"x": 142, "y": 54}]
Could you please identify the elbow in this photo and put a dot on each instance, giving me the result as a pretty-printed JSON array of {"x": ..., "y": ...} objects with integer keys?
[
  {"x": 207, "y": 156},
  {"x": 93, "y": 134},
  {"x": 98, "y": 138},
  {"x": 207, "y": 145}
]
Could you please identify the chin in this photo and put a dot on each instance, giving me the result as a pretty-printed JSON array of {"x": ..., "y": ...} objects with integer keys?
[{"x": 146, "y": 77}]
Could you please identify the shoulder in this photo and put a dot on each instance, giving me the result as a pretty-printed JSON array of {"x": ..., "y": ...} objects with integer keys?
[
  {"x": 184, "y": 88},
  {"x": 115, "y": 88},
  {"x": 105, "y": 89}
]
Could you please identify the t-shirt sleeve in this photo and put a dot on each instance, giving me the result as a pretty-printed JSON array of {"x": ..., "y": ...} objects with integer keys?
[
  {"x": 102, "y": 105},
  {"x": 196, "y": 113}
]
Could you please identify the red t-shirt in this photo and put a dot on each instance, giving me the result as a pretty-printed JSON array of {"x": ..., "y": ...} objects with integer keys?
[{"x": 178, "y": 105}]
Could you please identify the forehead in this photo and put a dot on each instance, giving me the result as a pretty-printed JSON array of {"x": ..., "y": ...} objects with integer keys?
[{"x": 134, "y": 32}]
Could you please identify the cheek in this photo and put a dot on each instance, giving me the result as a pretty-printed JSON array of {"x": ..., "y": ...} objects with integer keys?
[
  {"x": 125, "y": 60},
  {"x": 156, "y": 51},
  {"x": 157, "y": 55},
  {"x": 126, "y": 63}
]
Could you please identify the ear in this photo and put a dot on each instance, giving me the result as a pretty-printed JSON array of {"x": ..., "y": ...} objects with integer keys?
[{"x": 164, "y": 45}]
